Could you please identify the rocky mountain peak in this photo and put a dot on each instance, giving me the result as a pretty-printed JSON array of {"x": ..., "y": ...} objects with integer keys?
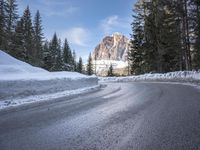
[{"x": 113, "y": 47}]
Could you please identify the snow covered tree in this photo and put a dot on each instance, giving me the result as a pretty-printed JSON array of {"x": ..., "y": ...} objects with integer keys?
[{"x": 89, "y": 65}]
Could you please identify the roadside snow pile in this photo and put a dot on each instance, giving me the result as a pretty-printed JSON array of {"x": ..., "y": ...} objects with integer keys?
[
  {"x": 13, "y": 69},
  {"x": 179, "y": 76},
  {"x": 19, "y": 80}
]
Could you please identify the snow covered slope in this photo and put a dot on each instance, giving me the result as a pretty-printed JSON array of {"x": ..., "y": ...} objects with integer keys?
[
  {"x": 179, "y": 76},
  {"x": 19, "y": 80},
  {"x": 13, "y": 69}
]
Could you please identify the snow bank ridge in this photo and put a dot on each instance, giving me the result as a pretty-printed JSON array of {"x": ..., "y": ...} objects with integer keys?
[
  {"x": 19, "y": 80},
  {"x": 179, "y": 76}
]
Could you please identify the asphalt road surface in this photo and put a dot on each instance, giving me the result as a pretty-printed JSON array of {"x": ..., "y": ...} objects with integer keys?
[{"x": 121, "y": 116}]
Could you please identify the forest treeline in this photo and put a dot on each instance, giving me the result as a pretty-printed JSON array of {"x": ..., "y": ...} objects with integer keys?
[
  {"x": 23, "y": 38},
  {"x": 165, "y": 36}
]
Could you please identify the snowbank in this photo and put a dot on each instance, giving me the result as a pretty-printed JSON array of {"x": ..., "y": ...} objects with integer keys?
[
  {"x": 19, "y": 80},
  {"x": 180, "y": 76}
]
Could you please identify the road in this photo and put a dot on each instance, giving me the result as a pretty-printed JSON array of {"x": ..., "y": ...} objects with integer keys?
[{"x": 121, "y": 116}]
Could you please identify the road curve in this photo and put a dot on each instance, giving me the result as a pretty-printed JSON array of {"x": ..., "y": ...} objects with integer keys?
[{"x": 121, "y": 116}]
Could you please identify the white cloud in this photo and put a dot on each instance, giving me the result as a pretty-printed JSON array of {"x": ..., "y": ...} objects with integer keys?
[
  {"x": 108, "y": 23},
  {"x": 114, "y": 23},
  {"x": 77, "y": 36}
]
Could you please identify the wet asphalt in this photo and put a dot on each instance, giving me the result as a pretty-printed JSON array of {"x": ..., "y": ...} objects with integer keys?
[{"x": 121, "y": 116}]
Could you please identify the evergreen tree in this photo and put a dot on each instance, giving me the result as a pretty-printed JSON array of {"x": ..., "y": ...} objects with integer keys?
[
  {"x": 80, "y": 65},
  {"x": 55, "y": 52},
  {"x": 47, "y": 57},
  {"x": 11, "y": 22},
  {"x": 74, "y": 64},
  {"x": 2, "y": 25},
  {"x": 19, "y": 50},
  {"x": 169, "y": 38},
  {"x": 135, "y": 54},
  {"x": 38, "y": 37},
  {"x": 196, "y": 15},
  {"x": 183, "y": 16},
  {"x": 59, "y": 59},
  {"x": 110, "y": 71},
  {"x": 89, "y": 65},
  {"x": 54, "y": 48},
  {"x": 155, "y": 43},
  {"x": 28, "y": 36},
  {"x": 66, "y": 55}
]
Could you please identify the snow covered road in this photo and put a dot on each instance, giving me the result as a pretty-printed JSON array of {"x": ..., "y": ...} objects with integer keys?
[{"x": 120, "y": 116}]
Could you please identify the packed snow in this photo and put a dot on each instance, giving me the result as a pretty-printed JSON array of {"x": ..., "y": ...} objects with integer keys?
[
  {"x": 19, "y": 81},
  {"x": 41, "y": 98},
  {"x": 103, "y": 65},
  {"x": 179, "y": 76},
  {"x": 13, "y": 69}
]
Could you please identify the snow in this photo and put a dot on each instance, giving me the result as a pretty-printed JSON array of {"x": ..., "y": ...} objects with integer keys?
[
  {"x": 10, "y": 103},
  {"x": 19, "y": 81},
  {"x": 105, "y": 64},
  {"x": 179, "y": 76},
  {"x": 13, "y": 69}
]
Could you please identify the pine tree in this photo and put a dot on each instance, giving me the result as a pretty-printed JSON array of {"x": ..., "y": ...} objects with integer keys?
[
  {"x": 47, "y": 57},
  {"x": 59, "y": 59},
  {"x": 11, "y": 22},
  {"x": 67, "y": 56},
  {"x": 74, "y": 64},
  {"x": 66, "y": 49},
  {"x": 28, "y": 36},
  {"x": 135, "y": 54},
  {"x": 80, "y": 65},
  {"x": 169, "y": 38},
  {"x": 196, "y": 15},
  {"x": 38, "y": 37},
  {"x": 183, "y": 16},
  {"x": 2, "y": 25},
  {"x": 155, "y": 42},
  {"x": 55, "y": 52},
  {"x": 89, "y": 65},
  {"x": 110, "y": 71},
  {"x": 19, "y": 50}
]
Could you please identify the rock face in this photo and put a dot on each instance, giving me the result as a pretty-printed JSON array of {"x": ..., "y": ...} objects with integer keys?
[
  {"x": 113, "y": 47},
  {"x": 111, "y": 51}
]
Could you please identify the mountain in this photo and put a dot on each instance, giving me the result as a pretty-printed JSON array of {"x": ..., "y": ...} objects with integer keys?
[
  {"x": 113, "y": 47},
  {"x": 112, "y": 50}
]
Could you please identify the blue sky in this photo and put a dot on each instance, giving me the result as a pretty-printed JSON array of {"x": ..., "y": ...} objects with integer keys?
[{"x": 83, "y": 22}]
